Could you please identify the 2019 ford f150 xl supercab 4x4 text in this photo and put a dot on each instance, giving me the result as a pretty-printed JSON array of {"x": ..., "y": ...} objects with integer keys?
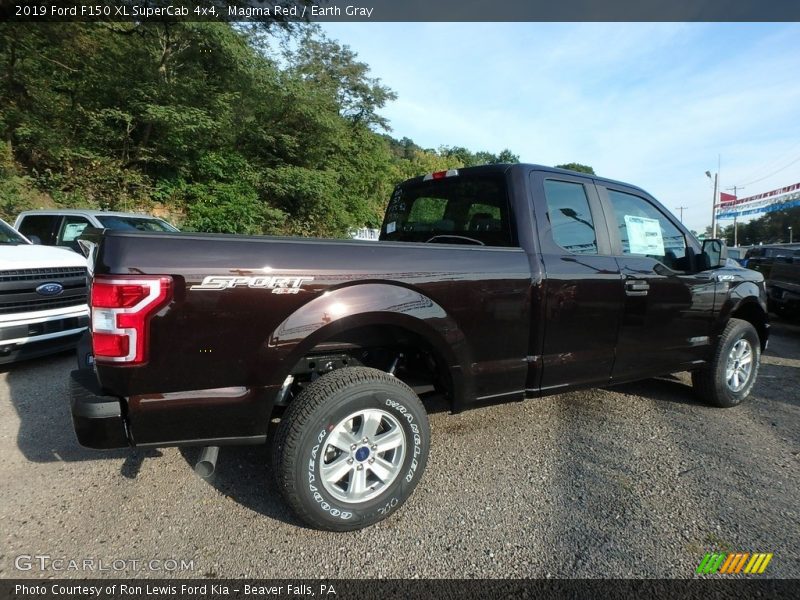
[
  {"x": 491, "y": 283},
  {"x": 42, "y": 297}
]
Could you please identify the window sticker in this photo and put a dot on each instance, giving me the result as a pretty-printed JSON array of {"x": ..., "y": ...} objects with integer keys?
[
  {"x": 73, "y": 230},
  {"x": 390, "y": 228},
  {"x": 644, "y": 236}
]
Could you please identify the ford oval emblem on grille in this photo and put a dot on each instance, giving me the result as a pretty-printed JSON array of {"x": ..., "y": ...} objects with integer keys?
[{"x": 49, "y": 289}]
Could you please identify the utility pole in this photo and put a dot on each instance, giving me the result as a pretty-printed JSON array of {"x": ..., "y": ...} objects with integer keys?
[
  {"x": 714, "y": 203},
  {"x": 735, "y": 224},
  {"x": 681, "y": 208}
]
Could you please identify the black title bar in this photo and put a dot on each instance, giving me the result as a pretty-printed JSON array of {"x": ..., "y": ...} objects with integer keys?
[{"x": 34, "y": 11}]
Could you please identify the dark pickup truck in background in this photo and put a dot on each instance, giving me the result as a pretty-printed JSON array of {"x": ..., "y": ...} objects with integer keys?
[
  {"x": 489, "y": 284},
  {"x": 783, "y": 285}
]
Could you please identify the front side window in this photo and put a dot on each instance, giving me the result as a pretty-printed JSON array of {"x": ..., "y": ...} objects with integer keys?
[
  {"x": 570, "y": 218},
  {"x": 645, "y": 230},
  {"x": 9, "y": 236},
  {"x": 460, "y": 209}
]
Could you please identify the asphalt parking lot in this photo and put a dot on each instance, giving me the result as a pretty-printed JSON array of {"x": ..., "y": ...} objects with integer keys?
[{"x": 636, "y": 481}]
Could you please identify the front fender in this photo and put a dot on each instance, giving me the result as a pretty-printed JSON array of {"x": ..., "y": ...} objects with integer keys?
[
  {"x": 747, "y": 300},
  {"x": 365, "y": 304},
  {"x": 740, "y": 293}
]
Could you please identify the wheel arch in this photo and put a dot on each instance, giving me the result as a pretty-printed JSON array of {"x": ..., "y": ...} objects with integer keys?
[
  {"x": 752, "y": 312},
  {"x": 378, "y": 308}
]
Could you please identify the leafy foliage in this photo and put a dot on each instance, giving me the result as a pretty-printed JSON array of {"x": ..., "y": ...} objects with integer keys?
[
  {"x": 258, "y": 129},
  {"x": 577, "y": 167}
]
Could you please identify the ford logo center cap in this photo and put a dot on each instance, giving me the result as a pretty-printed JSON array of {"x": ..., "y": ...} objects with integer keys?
[{"x": 50, "y": 289}]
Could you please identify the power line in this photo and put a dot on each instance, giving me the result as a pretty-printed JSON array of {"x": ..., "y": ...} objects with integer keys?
[
  {"x": 681, "y": 208},
  {"x": 770, "y": 164},
  {"x": 771, "y": 174}
]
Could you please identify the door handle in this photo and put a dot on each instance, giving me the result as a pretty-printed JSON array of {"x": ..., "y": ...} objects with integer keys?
[{"x": 636, "y": 288}]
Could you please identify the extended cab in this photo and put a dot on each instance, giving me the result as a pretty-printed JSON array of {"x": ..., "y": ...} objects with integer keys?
[
  {"x": 42, "y": 298},
  {"x": 488, "y": 284}
]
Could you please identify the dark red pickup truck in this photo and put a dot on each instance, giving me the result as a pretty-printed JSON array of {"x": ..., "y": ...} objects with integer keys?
[{"x": 488, "y": 284}]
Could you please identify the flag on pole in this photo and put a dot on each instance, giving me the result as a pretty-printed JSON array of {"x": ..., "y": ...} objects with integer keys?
[{"x": 725, "y": 200}]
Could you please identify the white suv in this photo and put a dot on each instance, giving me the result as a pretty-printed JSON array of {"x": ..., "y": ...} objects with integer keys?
[{"x": 42, "y": 297}]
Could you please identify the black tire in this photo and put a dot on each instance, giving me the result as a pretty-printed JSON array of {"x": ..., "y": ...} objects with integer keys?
[
  {"x": 710, "y": 383},
  {"x": 305, "y": 437}
]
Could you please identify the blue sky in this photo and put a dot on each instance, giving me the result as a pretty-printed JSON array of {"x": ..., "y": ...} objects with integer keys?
[{"x": 653, "y": 104}]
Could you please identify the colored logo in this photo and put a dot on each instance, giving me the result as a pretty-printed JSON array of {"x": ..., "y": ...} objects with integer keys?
[
  {"x": 733, "y": 563},
  {"x": 50, "y": 289}
]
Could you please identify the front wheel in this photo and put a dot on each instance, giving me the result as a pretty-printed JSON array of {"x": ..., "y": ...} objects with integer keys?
[
  {"x": 730, "y": 376},
  {"x": 351, "y": 448}
]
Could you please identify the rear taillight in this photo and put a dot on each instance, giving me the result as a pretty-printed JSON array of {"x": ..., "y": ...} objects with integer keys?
[{"x": 121, "y": 311}]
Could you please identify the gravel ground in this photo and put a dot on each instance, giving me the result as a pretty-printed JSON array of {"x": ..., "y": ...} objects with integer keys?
[{"x": 635, "y": 481}]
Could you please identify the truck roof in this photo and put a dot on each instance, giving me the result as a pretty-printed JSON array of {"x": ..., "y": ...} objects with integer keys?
[
  {"x": 86, "y": 211},
  {"x": 505, "y": 167}
]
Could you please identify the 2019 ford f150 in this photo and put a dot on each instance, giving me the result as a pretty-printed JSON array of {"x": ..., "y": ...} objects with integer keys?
[{"x": 488, "y": 284}]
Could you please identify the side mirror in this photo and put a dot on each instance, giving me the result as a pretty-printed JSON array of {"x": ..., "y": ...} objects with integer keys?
[
  {"x": 715, "y": 253},
  {"x": 35, "y": 239}
]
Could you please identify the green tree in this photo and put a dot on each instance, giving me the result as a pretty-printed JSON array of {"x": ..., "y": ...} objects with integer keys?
[
  {"x": 262, "y": 128},
  {"x": 474, "y": 159},
  {"x": 335, "y": 68},
  {"x": 577, "y": 167}
]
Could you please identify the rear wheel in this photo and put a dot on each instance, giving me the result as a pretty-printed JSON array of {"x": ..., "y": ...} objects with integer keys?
[
  {"x": 730, "y": 376},
  {"x": 351, "y": 448}
]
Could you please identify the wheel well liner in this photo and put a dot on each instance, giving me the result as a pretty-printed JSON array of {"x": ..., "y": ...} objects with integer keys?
[
  {"x": 383, "y": 310},
  {"x": 753, "y": 313}
]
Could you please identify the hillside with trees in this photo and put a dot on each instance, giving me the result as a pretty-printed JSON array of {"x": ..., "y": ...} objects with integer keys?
[{"x": 272, "y": 129}]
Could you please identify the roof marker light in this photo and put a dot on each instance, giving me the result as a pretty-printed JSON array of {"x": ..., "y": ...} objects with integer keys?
[{"x": 441, "y": 174}]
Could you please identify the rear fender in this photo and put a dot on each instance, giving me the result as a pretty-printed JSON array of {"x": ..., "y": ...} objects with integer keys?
[{"x": 360, "y": 305}]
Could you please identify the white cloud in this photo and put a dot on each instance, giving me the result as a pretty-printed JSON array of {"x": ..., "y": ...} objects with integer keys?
[{"x": 649, "y": 103}]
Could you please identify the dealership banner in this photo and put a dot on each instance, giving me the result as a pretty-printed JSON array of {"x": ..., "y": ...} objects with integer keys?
[{"x": 731, "y": 207}]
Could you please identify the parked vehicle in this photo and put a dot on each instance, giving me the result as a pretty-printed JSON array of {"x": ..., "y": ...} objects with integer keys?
[
  {"x": 42, "y": 298},
  {"x": 783, "y": 287},
  {"x": 62, "y": 227},
  {"x": 488, "y": 284},
  {"x": 737, "y": 254},
  {"x": 761, "y": 258}
]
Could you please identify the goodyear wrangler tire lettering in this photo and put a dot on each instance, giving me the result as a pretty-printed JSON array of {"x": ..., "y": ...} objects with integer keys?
[{"x": 351, "y": 448}]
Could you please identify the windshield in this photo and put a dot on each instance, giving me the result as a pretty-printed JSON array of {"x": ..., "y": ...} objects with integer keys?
[
  {"x": 460, "y": 209},
  {"x": 9, "y": 236},
  {"x": 135, "y": 223}
]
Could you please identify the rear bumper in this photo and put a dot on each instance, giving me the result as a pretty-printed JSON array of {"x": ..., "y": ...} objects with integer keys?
[{"x": 97, "y": 419}]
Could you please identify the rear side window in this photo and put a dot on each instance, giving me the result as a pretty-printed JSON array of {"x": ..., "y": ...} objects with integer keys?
[
  {"x": 645, "y": 230},
  {"x": 71, "y": 229},
  {"x": 570, "y": 217},
  {"x": 452, "y": 210},
  {"x": 40, "y": 226}
]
